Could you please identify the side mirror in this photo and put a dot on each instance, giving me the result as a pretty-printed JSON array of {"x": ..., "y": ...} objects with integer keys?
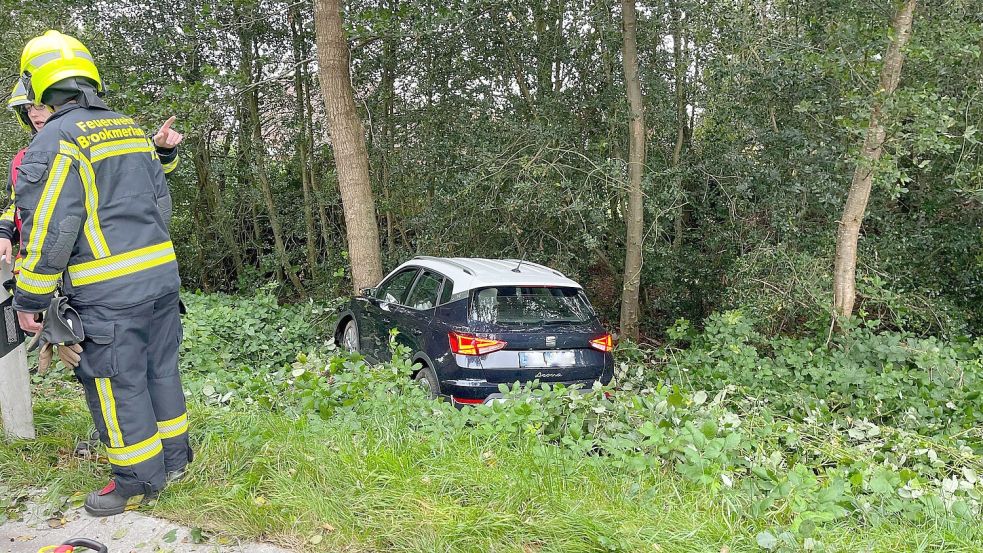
[{"x": 367, "y": 292}]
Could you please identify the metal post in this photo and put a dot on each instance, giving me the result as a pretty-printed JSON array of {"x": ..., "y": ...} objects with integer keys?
[{"x": 15, "y": 381}]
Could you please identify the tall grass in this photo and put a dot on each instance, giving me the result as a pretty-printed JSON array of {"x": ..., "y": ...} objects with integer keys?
[{"x": 367, "y": 480}]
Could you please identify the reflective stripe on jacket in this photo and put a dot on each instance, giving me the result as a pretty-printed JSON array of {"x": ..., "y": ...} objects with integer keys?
[{"x": 95, "y": 208}]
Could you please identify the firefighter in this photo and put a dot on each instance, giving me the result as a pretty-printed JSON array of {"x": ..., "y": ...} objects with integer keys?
[
  {"x": 95, "y": 209},
  {"x": 32, "y": 117}
]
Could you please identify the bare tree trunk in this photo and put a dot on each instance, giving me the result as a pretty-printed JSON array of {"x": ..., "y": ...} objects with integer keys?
[
  {"x": 308, "y": 210},
  {"x": 845, "y": 271},
  {"x": 198, "y": 215},
  {"x": 303, "y": 148},
  {"x": 246, "y": 181},
  {"x": 316, "y": 188},
  {"x": 348, "y": 141},
  {"x": 209, "y": 190},
  {"x": 680, "y": 71},
  {"x": 259, "y": 159},
  {"x": 636, "y": 164},
  {"x": 388, "y": 87}
]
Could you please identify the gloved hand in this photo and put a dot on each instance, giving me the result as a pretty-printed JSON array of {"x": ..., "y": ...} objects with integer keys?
[{"x": 69, "y": 355}]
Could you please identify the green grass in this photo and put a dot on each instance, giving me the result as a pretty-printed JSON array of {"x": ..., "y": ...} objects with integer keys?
[{"x": 370, "y": 482}]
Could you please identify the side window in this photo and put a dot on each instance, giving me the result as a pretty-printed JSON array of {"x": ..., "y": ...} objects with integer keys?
[
  {"x": 424, "y": 294},
  {"x": 447, "y": 292},
  {"x": 394, "y": 289}
]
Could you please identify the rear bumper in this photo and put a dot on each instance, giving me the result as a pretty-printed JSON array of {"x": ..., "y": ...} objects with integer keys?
[{"x": 478, "y": 391}]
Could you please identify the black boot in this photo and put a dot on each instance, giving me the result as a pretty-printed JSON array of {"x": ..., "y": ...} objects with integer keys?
[{"x": 109, "y": 501}]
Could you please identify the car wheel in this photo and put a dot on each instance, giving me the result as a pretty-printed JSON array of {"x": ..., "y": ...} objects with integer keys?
[
  {"x": 349, "y": 337},
  {"x": 428, "y": 381}
]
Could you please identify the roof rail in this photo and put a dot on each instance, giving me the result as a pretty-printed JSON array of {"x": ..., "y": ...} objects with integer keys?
[
  {"x": 543, "y": 267},
  {"x": 451, "y": 262}
]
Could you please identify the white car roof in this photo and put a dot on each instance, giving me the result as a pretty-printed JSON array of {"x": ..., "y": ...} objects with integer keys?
[{"x": 469, "y": 273}]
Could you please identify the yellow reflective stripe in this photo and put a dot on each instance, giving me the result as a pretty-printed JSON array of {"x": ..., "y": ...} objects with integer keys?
[
  {"x": 103, "y": 150},
  {"x": 168, "y": 167},
  {"x": 136, "y": 453},
  {"x": 19, "y": 265},
  {"x": 93, "y": 229},
  {"x": 121, "y": 264},
  {"x": 8, "y": 214},
  {"x": 118, "y": 143},
  {"x": 137, "y": 447},
  {"x": 49, "y": 197},
  {"x": 173, "y": 427},
  {"x": 37, "y": 283},
  {"x": 36, "y": 290},
  {"x": 107, "y": 404},
  {"x": 69, "y": 149}
]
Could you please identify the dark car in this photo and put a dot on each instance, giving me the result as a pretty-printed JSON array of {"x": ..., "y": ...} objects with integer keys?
[{"x": 473, "y": 324}]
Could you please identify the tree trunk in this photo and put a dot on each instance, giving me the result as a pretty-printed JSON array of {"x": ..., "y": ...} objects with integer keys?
[
  {"x": 348, "y": 141},
  {"x": 680, "y": 71},
  {"x": 845, "y": 271},
  {"x": 316, "y": 188},
  {"x": 388, "y": 89},
  {"x": 302, "y": 146},
  {"x": 259, "y": 159},
  {"x": 209, "y": 190},
  {"x": 636, "y": 164}
]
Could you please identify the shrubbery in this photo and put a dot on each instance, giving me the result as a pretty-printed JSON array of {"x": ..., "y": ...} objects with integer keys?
[
  {"x": 869, "y": 427},
  {"x": 924, "y": 385},
  {"x": 872, "y": 426}
]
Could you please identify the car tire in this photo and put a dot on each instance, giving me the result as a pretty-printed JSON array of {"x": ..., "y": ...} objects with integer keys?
[
  {"x": 428, "y": 381},
  {"x": 349, "y": 337}
]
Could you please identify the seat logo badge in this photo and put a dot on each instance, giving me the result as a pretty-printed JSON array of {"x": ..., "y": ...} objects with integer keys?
[{"x": 550, "y": 341}]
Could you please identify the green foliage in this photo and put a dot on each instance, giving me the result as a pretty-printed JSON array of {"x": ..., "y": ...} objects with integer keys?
[
  {"x": 920, "y": 385},
  {"x": 501, "y": 130},
  {"x": 877, "y": 426},
  {"x": 238, "y": 346},
  {"x": 723, "y": 438}
]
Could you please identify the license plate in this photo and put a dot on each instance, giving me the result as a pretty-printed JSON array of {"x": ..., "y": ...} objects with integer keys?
[{"x": 546, "y": 359}]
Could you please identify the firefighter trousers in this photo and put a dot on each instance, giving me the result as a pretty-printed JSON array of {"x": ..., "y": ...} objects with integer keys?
[{"x": 129, "y": 370}]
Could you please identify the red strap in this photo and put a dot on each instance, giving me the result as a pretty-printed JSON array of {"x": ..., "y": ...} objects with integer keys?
[
  {"x": 64, "y": 549},
  {"x": 110, "y": 488},
  {"x": 14, "y": 164},
  {"x": 18, "y": 157}
]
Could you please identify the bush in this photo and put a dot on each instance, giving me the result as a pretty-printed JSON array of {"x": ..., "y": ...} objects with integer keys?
[
  {"x": 800, "y": 475},
  {"x": 921, "y": 385},
  {"x": 789, "y": 292},
  {"x": 238, "y": 344},
  {"x": 873, "y": 427}
]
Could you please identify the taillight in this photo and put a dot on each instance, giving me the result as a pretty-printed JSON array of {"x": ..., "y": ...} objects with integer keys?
[
  {"x": 467, "y": 401},
  {"x": 467, "y": 344},
  {"x": 604, "y": 343}
]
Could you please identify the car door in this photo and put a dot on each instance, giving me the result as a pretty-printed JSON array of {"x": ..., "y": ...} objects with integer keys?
[
  {"x": 380, "y": 315},
  {"x": 415, "y": 315}
]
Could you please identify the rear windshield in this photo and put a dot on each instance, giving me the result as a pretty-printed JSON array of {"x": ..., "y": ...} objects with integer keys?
[{"x": 529, "y": 305}]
